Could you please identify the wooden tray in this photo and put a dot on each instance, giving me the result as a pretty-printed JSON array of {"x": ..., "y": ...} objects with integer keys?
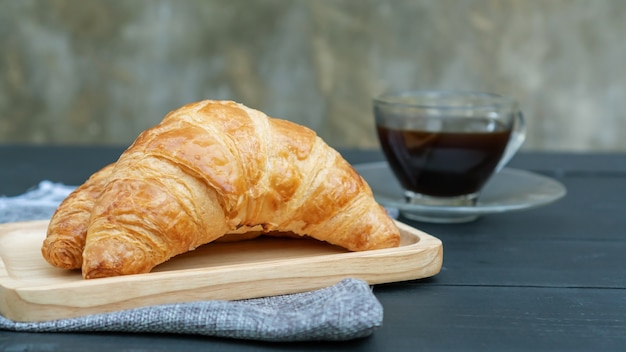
[{"x": 33, "y": 290}]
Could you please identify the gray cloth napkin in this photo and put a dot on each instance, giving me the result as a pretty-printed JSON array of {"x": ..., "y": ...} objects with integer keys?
[{"x": 344, "y": 311}]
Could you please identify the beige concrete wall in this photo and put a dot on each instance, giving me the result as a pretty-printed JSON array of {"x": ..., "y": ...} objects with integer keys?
[{"x": 99, "y": 72}]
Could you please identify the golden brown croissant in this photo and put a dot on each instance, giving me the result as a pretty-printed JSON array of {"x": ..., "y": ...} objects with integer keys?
[{"x": 212, "y": 168}]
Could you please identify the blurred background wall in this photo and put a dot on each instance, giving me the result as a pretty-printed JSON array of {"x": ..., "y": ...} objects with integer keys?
[{"x": 99, "y": 72}]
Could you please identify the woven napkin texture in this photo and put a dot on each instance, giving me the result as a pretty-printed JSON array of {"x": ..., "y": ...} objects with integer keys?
[{"x": 344, "y": 311}]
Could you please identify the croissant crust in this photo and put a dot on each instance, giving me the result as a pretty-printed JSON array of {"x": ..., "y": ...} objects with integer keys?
[{"x": 210, "y": 169}]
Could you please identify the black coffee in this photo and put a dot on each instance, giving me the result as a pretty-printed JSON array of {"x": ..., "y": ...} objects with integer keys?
[{"x": 443, "y": 164}]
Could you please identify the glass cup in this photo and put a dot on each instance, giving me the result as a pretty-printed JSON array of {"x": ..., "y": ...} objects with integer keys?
[{"x": 443, "y": 146}]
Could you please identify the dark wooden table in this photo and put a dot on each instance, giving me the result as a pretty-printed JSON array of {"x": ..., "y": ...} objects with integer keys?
[{"x": 551, "y": 278}]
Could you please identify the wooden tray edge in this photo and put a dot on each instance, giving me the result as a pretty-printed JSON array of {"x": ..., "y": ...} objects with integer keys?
[{"x": 418, "y": 260}]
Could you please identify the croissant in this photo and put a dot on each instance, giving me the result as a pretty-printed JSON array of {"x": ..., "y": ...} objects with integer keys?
[{"x": 210, "y": 169}]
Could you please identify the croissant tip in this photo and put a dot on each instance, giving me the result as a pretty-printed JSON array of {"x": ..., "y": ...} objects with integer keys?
[
  {"x": 110, "y": 256},
  {"x": 100, "y": 273},
  {"x": 62, "y": 255}
]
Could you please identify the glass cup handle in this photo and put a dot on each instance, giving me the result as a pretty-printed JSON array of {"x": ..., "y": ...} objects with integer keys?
[{"x": 518, "y": 135}]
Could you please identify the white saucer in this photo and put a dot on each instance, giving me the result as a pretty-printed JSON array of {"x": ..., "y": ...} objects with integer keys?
[{"x": 508, "y": 190}]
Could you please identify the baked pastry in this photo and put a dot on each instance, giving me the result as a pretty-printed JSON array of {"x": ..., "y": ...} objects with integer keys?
[{"x": 209, "y": 169}]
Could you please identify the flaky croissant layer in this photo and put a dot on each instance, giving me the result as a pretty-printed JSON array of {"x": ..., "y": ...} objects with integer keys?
[{"x": 210, "y": 169}]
